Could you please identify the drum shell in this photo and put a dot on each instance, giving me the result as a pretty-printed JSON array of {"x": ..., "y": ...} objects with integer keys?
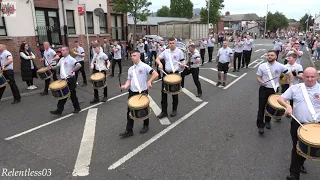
[
  {"x": 100, "y": 83},
  {"x": 60, "y": 93},
  {"x": 283, "y": 80},
  {"x": 172, "y": 88},
  {"x": 139, "y": 113},
  {"x": 274, "y": 112},
  {"x": 307, "y": 149},
  {"x": 3, "y": 81},
  {"x": 44, "y": 75}
]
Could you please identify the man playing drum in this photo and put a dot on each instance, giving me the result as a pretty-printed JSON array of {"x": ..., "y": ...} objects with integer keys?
[
  {"x": 174, "y": 59},
  {"x": 303, "y": 112},
  {"x": 139, "y": 83},
  {"x": 98, "y": 64},
  {"x": 68, "y": 66},
  {"x": 268, "y": 76},
  {"x": 296, "y": 70}
]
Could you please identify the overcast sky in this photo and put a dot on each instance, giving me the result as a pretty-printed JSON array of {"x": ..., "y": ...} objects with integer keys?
[{"x": 291, "y": 8}]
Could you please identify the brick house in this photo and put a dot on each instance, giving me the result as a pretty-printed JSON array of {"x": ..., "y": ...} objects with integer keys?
[{"x": 37, "y": 21}]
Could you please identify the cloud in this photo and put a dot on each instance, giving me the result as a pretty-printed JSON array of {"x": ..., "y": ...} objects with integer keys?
[{"x": 294, "y": 9}]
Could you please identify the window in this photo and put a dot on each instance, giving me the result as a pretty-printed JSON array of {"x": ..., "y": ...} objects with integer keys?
[
  {"x": 103, "y": 24},
  {"x": 70, "y": 22},
  {"x": 48, "y": 26},
  {"x": 90, "y": 23},
  {"x": 116, "y": 26},
  {"x": 3, "y": 31}
]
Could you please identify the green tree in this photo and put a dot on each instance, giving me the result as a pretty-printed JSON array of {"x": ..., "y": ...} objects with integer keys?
[
  {"x": 164, "y": 11},
  {"x": 181, "y": 8},
  {"x": 303, "y": 22},
  {"x": 292, "y": 20},
  {"x": 276, "y": 20},
  {"x": 214, "y": 12},
  {"x": 138, "y": 9}
]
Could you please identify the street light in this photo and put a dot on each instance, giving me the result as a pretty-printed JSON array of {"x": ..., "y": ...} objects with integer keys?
[
  {"x": 308, "y": 19},
  {"x": 265, "y": 23},
  {"x": 208, "y": 3}
]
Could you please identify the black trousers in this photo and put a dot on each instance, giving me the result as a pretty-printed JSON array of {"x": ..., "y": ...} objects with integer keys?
[
  {"x": 277, "y": 52},
  {"x": 238, "y": 56},
  {"x": 47, "y": 82},
  {"x": 118, "y": 61},
  {"x": 164, "y": 98},
  {"x": 29, "y": 83},
  {"x": 195, "y": 76},
  {"x": 142, "y": 57},
  {"x": 264, "y": 94},
  {"x": 72, "y": 83},
  {"x": 105, "y": 89},
  {"x": 202, "y": 53},
  {"x": 158, "y": 71},
  {"x": 131, "y": 121},
  {"x": 83, "y": 73},
  {"x": 9, "y": 75},
  {"x": 296, "y": 160},
  {"x": 246, "y": 58},
  {"x": 210, "y": 50}
]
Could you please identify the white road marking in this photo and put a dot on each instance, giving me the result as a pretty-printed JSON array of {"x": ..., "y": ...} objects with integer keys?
[
  {"x": 258, "y": 63},
  {"x": 191, "y": 95},
  {"x": 154, "y": 138},
  {"x": 307, "y": 48},
  {"x": 264, "y": 55},
  {"x": 215, "y": 69},
  {"x": 156, "y": 109},
  {"x": 235, "y": 81},
  {"x": 81, "y": 167},
  {"x": 24, "y": 94},
  {"x": 257, "y": 50},
  {"x": 59, "y": 119},
  {"x": 208, "y": 80},
  {"x": 253, "y": 62}
]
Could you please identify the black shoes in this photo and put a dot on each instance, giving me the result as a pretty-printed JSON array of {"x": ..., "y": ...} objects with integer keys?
[
  {"x": 84, "y": 84},
  {"x": 223, "y": 84},
  {"x": 261, "y": 130},
  {"x": 56, "y": 112},
  {"x": 292, "y": 177},
  {"x": 303, "y": 170},
  {"x": 218, "y": 84},
  {"x": 94, "y": 100},
  {"x": 126, "y": 133},
  {"x": 199, "y": 95},
  {"x": 238, "y": 70},
  {"x": 105, "y": 98},
  {"x": 162, "y": 115},
  {"x": 16, "y": 101},
  {"x": 76, "y": 111},
  {"x": 144, "y": 129},
  {"x": 173, "y": 114},
  {"x": 44, "y": 93},
  {"x": 268, "y": 125},
  {"x": 234, "y": 70}
]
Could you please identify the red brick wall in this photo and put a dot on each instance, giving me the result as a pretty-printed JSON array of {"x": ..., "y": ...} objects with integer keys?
[{"x": 46, "y": 4}]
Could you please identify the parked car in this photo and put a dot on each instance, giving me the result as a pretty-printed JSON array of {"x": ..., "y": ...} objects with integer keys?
[{"x": 156, "y": 38}]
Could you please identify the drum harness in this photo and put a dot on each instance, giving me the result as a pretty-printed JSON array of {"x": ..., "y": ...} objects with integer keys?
[
  {"x": 271, "y": 78},
  {"x": 136, "y": 81},
  {"x": 308, "y": 101}
]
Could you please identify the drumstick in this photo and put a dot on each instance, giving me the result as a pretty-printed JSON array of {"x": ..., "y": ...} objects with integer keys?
[
  {"x": 164, "y": 73},
  {"x": 270, "y": 80},
  {"x": 298, "y": 121},
  {"x": 184, "y": 65}
]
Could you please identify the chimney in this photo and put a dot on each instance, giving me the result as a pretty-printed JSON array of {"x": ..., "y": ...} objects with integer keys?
[{"x": 227, "y": 13}]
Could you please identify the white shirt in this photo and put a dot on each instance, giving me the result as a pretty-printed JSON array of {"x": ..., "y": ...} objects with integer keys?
[
  {"x": 294, "y": 68},
  {"x": 194, "y": 57},
  {"x": 203, "y": 44},
  {"x": 80, "y": 50},
  {"x": 100, "y": 61},
  {"x": 141, "y": 47},
  {"x": 211, "y": 42},
  {"x": 117, "y": 54},
  {"x": 276, "y": 70},
  {"x": 248, "y": 44},
  {"x": 142, "y": 71},
  {"x": 176, "y": 56},
  {"x": 277, "y": 46},
  {"x": 224, "y": 54},
  {"x": 299, "y": 58},
  {"x": 237, "y": 48},
  {"x": 154, "y": 46},
  {"x": 300, "y": 107},
  {"x": 66, "y": 65},
  {"x": 4, "y": 57},
  {"x": 48, "y": 56}
]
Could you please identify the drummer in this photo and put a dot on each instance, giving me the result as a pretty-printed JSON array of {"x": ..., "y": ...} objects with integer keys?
[
  {"x": 98, "y": 64},
  {"x": 296, "y": 70},
  {"x": 302, "y": 112},
  {"x": 68, "y": 66},
  {"x": 140, "y": 70},
  {"x": 269, "y": 83},
  {"x": 174, "y": 59},
  {"x": 50, "y": 58}
]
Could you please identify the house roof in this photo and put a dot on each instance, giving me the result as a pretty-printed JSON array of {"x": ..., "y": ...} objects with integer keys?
[
  {"x": 155, "y": 20},
  {"x": 241, "y": 17}
]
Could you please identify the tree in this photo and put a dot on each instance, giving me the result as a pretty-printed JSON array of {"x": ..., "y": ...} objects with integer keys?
[
  {"x": 181, "y": 8},
  {"x": 214, "y": 12},
  {"x": 303, "y": 22},
  {"x": 138, "y": 9},
  {"x": 292, "y": 20},
  {"x": 276, "y": 21},
  {"x": 164, "y": 11}
]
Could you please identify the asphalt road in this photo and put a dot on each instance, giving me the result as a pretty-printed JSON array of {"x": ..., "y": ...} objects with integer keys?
[{"x": 214, "y": 137}]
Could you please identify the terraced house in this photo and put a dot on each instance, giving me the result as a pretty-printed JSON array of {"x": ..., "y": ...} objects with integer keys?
[{"x": 60, "y": 22}]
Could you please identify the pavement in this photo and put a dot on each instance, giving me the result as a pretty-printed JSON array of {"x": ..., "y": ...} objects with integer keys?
[{"x": 212, "y": 137}]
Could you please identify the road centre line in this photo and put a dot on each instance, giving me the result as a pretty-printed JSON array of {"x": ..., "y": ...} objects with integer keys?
[
  {"x": 253, "y": 62},
  {"x": 154, "y": 138},
  {"x": 191, "y": 95},
  {"x": 208, "y": 80},
  {"x": 235, "y": 81},
  {"x": 258, "y": 64},
  {"x": 81, "y": 167},
  {"x": 61, "y": 118},
  {"x": 233, "y": 75},
  {"x": 155, "y": 108}
]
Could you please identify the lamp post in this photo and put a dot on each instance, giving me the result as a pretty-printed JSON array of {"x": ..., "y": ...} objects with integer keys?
[
  {"x": 265, "y": 23},
  {"x": 308, "y": 19},
  {"x": 208, "y": 3}
]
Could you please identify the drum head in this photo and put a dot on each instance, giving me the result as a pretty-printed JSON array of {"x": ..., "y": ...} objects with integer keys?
[
  {"x": 273, "y": 101},
  {"x": 43, "y": 69},
  {"x": 135, "y": 103},
  {"x": 311, "y": 136},
  {"x": 172, "y": 79},
  {"x": 97, "y": 76},
  {"x": 59, "y": 84}
]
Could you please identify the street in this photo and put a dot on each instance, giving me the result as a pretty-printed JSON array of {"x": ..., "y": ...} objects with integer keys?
[{"x": 212, "y": 137}]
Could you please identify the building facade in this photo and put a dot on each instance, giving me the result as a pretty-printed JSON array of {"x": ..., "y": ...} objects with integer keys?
[{"x": 58, "y": 22}]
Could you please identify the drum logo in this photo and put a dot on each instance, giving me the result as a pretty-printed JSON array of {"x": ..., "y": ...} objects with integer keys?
[{"x": 8, "y": 9}]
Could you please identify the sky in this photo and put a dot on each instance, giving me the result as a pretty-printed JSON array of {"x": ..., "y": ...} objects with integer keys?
[{"x": 293, "y": 9}]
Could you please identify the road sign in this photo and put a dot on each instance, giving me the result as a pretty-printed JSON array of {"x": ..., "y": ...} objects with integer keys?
[{"x": 80, "y": 10}]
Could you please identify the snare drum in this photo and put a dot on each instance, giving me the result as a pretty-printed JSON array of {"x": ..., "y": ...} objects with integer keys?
[
  {"x": 44, "y": 73},
  {"x": 98, "y": 80},
  {"x": 3, "y": 80},
  {"x": 273, "y": 108},
  {"x": 309, "y": 142},
  {"x": 283, "y": 79},
  {"x": 172, "y": 83},
  {"x": 60, "y": 89},
  {"x": 139, "y": 107}
]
